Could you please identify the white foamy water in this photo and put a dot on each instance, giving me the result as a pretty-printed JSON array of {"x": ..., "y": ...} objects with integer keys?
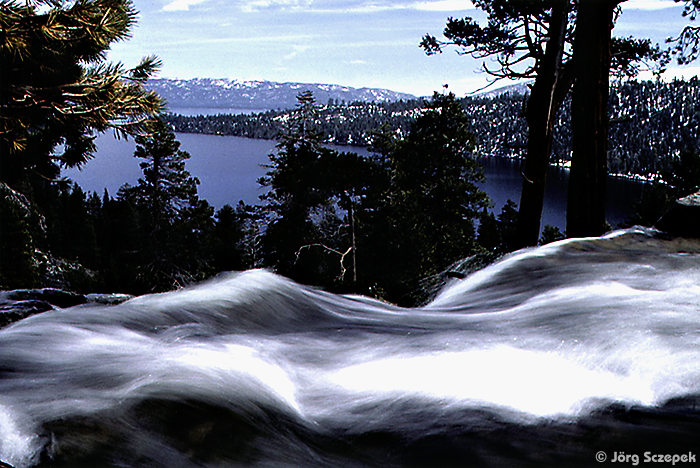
[{"x": 542, "y": 359}]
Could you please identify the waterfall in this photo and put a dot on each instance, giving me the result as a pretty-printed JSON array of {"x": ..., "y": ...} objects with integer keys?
[{"x": 547, "y": 358}]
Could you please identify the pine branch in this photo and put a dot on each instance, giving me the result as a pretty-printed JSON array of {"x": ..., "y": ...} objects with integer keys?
[{"x": 343, "y": 269}]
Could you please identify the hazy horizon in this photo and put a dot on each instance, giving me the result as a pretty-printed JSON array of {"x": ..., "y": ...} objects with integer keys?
[{"x": 357, "y": 43}]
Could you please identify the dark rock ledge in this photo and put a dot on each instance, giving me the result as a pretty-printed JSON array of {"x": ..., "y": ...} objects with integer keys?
[
  {"x": 21, "y": 303},
  {"x": 683, "y": 218}
]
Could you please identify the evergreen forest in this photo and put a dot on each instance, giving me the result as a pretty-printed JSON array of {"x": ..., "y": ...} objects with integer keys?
[
  {"x": 393, "y": 225},
  {"x": 652, "y": 122}
]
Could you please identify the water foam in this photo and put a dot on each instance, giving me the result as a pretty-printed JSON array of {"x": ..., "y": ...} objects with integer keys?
[
  {"x": 19, "y": 445},
  {"x": 537, "y": 383},
  {"x": 554, "y": 333}
]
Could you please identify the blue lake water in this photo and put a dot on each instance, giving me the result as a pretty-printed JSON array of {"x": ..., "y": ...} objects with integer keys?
[
  {"x": 503, "y": 182},
  {"x": 228, "y": 168}
]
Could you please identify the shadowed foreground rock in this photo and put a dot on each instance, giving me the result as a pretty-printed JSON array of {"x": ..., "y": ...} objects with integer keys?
[
  {"x": 683, "y": 218},
  {"x": 18, "y": 304}
]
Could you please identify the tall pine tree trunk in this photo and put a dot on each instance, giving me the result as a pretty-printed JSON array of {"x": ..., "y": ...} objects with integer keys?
[
  {"x": 585, "y": 213},
  {"x": 545, "y": 98},
  {"x": 353, "y": 243}
]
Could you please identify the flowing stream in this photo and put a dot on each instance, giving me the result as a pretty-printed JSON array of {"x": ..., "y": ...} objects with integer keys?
[{"x": 549, "y": 357}]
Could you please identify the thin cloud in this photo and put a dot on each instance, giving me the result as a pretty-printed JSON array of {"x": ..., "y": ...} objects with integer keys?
[
  {"x": 369, "y": 6},
  {"x": 256, "y": 5},
  {"x": 649, "y": 4},
  {"x": 445, "y": 5},
  {"x": 297, "y": 49},
  {"x": 429, "y": 5},
  {"x": 357, "y": 6},
  {"x": 181, "y": 5},
  {"x": 220, "y": 41}
]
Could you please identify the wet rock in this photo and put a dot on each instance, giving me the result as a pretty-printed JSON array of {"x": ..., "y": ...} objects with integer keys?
[
  {"x": 683, "y": 218},
  {"x": 14, "y": 311},
  {"x": 18, "y": 304},
  {"x": 108, "y": 299},
  {"x": 57, "y": 297}
]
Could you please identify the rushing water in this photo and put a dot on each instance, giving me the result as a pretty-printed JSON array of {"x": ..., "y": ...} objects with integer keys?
[
  {"x": 544, "y": 359},
  {"x": 229, "y": 167}
]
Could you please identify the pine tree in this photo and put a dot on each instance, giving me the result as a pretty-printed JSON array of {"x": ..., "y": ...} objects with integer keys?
[
  {"x": 532, "y": 39},
  {"x": 236, "y": 235},
  {"x": 169, "y": 211},
  {"x": 427, "y": 222},
  {"x": 56, "y": 92},
  {"x": 56, "y": 88},
  {"x": 315, "y": 193},
  {"x": 166, "y": 186},
  {"x": 687, "y": 44},
  {"x": 293, "y": 193},
  {"x": 18, "y": 268},
  {"x": 529, "y": 40}
]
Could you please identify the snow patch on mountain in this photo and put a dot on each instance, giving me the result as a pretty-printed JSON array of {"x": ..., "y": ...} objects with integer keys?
[{"x": 232, "y": 93}]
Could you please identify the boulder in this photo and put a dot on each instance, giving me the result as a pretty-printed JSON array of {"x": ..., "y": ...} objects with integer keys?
[
  {"x": 108, "y": 299},
  {"x": 13, "y": 311},
  {"x": 18, "y": 304},
  {"x": 53, "y": 296},
  {"x": 683, "y": 218}
]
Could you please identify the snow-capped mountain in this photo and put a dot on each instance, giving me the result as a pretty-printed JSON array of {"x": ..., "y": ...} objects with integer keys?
[
  {"x": 518, "y": 89},
  {"x": 226, "y": 93}
]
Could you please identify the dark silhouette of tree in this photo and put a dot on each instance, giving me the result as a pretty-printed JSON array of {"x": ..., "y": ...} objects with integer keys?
[
  {"x": 684, "y": 173},
  {"x": 119, "y": 241},
  {"x": 166, "y": 186},
  {"x": 427, "y": 220},
  {"x": 532, "y": 39},
  {"x": 595, "y": 52},
  {"x": 294, "y": 192},
  {"x": 235, "y": 238},
  {"x": 585, "y": 213},
  {"x": 551, "y": 234},
  {"x": 498, "y": 234},
  {"x": 529, "y": 40},
  {"x": 170, "y": 213},
  {"x": 71, "y": 226},
  {"x": 18, "y": 268},
  {"x": 314, "y": 195},
  {"x": 686, "y": 46}
]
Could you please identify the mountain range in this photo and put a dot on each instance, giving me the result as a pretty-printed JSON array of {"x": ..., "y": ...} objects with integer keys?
[
  {"x": 517, "y": 89},
  {"x": 653, "y": 124},
  {"x": 260, "y": 95}
]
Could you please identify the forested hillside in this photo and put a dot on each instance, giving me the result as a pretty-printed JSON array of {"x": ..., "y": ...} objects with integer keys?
[
  {"x": 341, "y": 124},
  {"x": 240, "y": 94},
  {"x": 652, "y": 122}
]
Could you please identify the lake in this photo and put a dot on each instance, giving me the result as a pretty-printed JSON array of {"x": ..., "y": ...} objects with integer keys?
[
  {"x": 503, "y": 182},
  {"x": 229, "y": 167}
]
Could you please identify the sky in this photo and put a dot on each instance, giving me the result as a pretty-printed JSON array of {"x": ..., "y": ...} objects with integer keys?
[{"x": 358, "y": 43}]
